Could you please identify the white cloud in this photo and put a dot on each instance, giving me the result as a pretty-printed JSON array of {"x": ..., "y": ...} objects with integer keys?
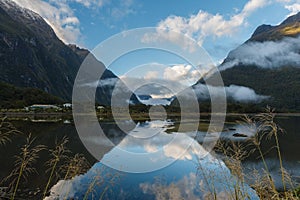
[
  {"x": 253, "y": 5},
  {"x": 58, "y": 15},
  {"x": 292, "y": 5},
  {"x": 243, "y": 94},
  {"x": 155, "y": 101},
  {"x": 151, "y": 75},
  {"x": 269, "y": 54},
  {"x": 185, "y": 74},
  {"x": 234, "y": 92},
  {"x": 293, "y": 8},
  {"x": 162, "y": 96},
  {"x": 108, "y": 82},
  {"x": 204, "y": 24}
]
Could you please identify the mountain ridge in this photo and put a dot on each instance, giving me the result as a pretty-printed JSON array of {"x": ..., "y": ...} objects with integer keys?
[{"x": 290, "y": 27}]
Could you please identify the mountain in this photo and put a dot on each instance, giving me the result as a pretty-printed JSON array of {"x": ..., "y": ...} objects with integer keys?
[
  {"x": 265, "y": 70},
  {"x": 269, "y": 63},
  {"x": 288, "y": 28},
  {"x": 32, "y": 56}
]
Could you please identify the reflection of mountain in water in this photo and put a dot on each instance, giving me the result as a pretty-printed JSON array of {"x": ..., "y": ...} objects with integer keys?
[{"x": 172, "y": 166}]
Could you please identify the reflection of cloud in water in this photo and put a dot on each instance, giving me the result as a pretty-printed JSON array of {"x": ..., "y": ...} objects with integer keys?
[
  {"x": 188, "y": 188},
  {"x": 177, "y": 149},
  {"x": 150, "y": 146},
  {"x": 182, "y": 189},
  {"x": 186, "y": 176}
]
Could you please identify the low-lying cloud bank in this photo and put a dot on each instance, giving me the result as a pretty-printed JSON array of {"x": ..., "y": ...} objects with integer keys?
[
  {"x": 269, "y": 54},
  {"x": 233, "y": 92},
  {"x": 162, "y": 94},
  {"x": 108, "y": 82}
]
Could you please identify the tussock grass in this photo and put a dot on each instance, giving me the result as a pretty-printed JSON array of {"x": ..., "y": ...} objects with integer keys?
[
  {"x": 58, "y": 154},
  {"x": 24, "y": 165},
  {"x": 235, "y": 152},
  {"x": 7, "y": 130},
  {"x": 61, "y": 165}
]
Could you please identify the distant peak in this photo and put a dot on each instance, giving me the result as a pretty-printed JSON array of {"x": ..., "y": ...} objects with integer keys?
[{"x": 261, "y": 29}]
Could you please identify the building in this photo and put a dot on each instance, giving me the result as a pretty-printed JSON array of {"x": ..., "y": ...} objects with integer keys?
[
  {"x": 41, "y": 107},
  {"x": 67, "y": 105}
]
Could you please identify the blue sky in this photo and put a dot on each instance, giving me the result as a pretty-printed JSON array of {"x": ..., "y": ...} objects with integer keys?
[{"x": 88, "y": 22}]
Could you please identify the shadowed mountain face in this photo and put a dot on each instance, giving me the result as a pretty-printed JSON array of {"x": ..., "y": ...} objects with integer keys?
[{"x": 33, "y": 56}]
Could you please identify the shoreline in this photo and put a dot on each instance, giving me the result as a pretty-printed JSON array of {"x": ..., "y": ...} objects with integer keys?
[{"x": 70, "y": 114}]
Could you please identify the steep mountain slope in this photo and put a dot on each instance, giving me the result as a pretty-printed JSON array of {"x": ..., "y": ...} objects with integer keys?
[
  {"x": 31, "y": 55},
  {"x": 269, "y": 62}
]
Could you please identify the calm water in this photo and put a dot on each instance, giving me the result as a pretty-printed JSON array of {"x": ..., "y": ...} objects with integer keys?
[{"x": 184, "y": 176}]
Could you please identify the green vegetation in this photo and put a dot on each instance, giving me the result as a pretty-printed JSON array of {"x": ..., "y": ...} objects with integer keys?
[
  {"x": 282, "y": 85},
  {"x": 232, "y": 107},
  {"x": 15, "y": 97}
]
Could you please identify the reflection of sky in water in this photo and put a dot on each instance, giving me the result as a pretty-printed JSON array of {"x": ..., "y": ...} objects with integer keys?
[{"x": 189, "y": 175}]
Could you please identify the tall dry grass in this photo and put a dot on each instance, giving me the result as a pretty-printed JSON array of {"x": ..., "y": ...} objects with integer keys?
[
  {"x": 7, "y": 130},
  {"x": 236, "y": 152},
  {"x": 62, "y": 163},
  {"x": 24, "y": 165},
  {"x": 58, "y": 155}
]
